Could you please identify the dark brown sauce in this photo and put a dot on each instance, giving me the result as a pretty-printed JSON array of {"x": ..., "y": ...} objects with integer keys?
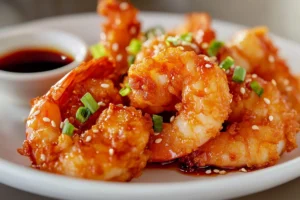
[{"x": 29, "y": 60}]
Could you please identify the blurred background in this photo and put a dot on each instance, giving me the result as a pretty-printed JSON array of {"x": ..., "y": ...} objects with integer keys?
[{"x": 281, "y": 16}]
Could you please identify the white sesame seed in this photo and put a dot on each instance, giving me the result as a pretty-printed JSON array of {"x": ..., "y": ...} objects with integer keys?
[
  {"x": 104, "y": 85},
  {"x": 254, "y": 75},
  {"x": 115, "y": 47},
  {"x": 101, "y": 103},
  {"x": 61, "y": 125},
  {"x": 208, "y": 65},
  {"x": 46, "y": 119},
  {"x": 271, "y": 118},
  {"x": 132, "y": 30},
  {"x": 286, "y": 82},
  {"x": 158, "y": 140},
  {"x": 273, "y": 82},
  {"x": 289, "y": 88},
  {"x": 156, "y": 133},
  {"x": 95, "y": 131},
  {"x": 271, "y": 59},
  {"x": 111, "y": 151},
  {"x": 248, "y": 80},
  {"x": 255, "y": 127},
  {"x": 205, "y": 90},
  {"x": 102, "y": 36},
  {"x": 88, "y": 138},
  {"x": 66, "y": 120},
  {"x": 119, "y": 57},
  {"x": 206, "y": 58},
  {"x": 124, "y": 5},
  {"x": 243, "y": 170},
  {"x": 216, "y": 171},
  {"x": 267, "y": 101},
  {"x": 36, "y": 113},
  {"x": 53, "y": 124},
  {"x": 204, "y": 45},
  {"x": 43, "y": 157},
  {"x": 222, "y": 172},
  {"x": 172, "y": 118},
  {"x": 118, "y": 21},
  {"x": 242, "y": 90},
  {"x": 208, "y": 171}
]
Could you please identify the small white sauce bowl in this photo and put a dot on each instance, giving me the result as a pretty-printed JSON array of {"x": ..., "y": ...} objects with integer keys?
[{"x": 20, "y": 88}]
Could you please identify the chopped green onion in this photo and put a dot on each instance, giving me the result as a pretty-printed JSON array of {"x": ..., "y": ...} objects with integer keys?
[
  {"x": 227, "y": 63},
  {"x": 256, "y": 87},
  {"x": 239, "y": 75},
  {"x": 134, "y": 46},
  {"x": 214, "y": 47},
  {"x": 157, "y": 123},
  {"x": 187, "y": 37},
  {"x": 83, "y": 114},
  {"x": 125, "y": 91},
  {"x": 98, "y": 50},
  {"x": 130, "y": 60},
  {"x": 89, "y": 102},
  {"x": 172, "y": 40},
  {"x": 68, "y": 129},
  {"x": 153, "y": 32}
]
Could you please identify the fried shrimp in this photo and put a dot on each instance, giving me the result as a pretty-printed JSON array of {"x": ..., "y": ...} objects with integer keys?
[
  {"x": 121, "y": 26},
  {"x": 254, "y": 50},
  {"x": 198, "y": 91},
  {"x": 110, "y": 145},
  {"x": 258, "y": 130}
]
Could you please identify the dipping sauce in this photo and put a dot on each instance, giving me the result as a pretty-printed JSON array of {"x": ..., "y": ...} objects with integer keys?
[{"x": 30, "y": 60}]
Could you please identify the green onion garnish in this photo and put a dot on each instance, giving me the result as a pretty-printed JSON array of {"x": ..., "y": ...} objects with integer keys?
[
  {"x": 239, "y": 74},
  {"x": 214, "y": 47},
  {"x": 227, "y": 63},
  {"x": 130, "y": 60},
  {"x": 98, "y": 50},
  {"x": 68, "y": 129},
  {"x": 153, "y": 32},
  {"x": 187, "y": 37},
  {"x": 125, "y": 91},
  {"x": 134, "y": 46},
  {"x": 157, "y": 123},
  {"x": 256, "y": 87},
  {"x": 172, "y": 40},
  {"x": 83, "y": 114},
  {"x": 89, "y": 102}
]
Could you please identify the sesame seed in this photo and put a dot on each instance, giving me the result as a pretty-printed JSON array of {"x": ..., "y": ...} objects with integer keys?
[
  {"x": 286, "y": 82},
  {"x": 271, "y": 118},
  {"x": 46, "y": 119},
  {"x": 242, "y": 90},
  {"x": 36, "y": 113},
  {"x": 102, "y": 36},
  {"x": 273, "y": 82},
  {"x": 104, "y": 85},
  {"x": 271, "y": 59},
  {"x": 208, "y": 171},
  {"x": 124, "y": 5},
  {"x": 206, "y": 58},
  {"x": 254, "y": 75},
  {"x": 95, "y": 131},
  {"x": 204, "y": 45},
  {"x": 289, "y": 88},
  {"x": 111, "y": 151},
  {"x": 158, "y": 140},
  {"x": 88, "y": 138},
  {"x": 115, "y": 47},
  {"x": 53, "y": 124},
  {"x": 43, "y": 157},
  {"x": 156, "y": 133},
  {"x": 66, "y": 120},
  {"x": 208, "y": 65},
  {"x": 132, "y": 30},
  {"x": 101, "y": 103},
  {"x": 119, "y": 57},
  {"x": 248, "y": 80},
  {"x": 205, "y": 90},
  {"x": 118, "y": 21},
  {"x": 255, "y": 127},
  {"x": 61, "y": 125},
  {"x": 267, "y": 101},
  {"x": 172, "y": 118},
  {"x": 222, "y": 172},
  {"x": 216, "y": 171},
  {"x": 243, "y": 170}
]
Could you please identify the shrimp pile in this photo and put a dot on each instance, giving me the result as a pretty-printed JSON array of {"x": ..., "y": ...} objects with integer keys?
[{"x": 166, "y": 96}]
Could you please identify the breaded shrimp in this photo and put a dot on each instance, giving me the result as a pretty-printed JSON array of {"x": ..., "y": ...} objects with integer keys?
[
  {"x": 258, "y": 130},
  {"x": 198, "y": 91},
  {"x": 121, "y": 26},
  {"x": 110, "y": 145},
  {"x": 254, "y": 50}
]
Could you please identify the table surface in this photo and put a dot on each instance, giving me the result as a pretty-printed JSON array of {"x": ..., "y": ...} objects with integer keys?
[{"x": 286, "y": 191}]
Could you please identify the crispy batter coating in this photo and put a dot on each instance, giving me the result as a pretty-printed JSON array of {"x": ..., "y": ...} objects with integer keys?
[
  {"x": 111, "y": 146},
  {"x": 258, "y": 130}
]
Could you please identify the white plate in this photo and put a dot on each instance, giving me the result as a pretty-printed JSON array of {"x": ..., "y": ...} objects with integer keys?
[{"x": 153, "y": 184}]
